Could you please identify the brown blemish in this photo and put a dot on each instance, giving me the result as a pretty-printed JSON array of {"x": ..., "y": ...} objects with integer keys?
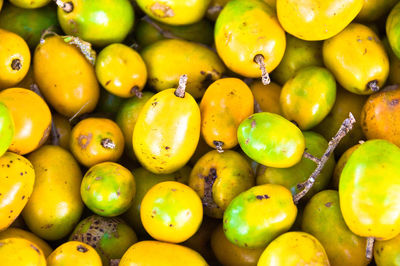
[
  {"x": 166, "y": 11},
  {"x": 47, "y": 226},
  {"x": 108, "y": 82},
  {"x": 253, "y": 124},
  {"x": 16, "y": 64},
  {"x": 328, "y": 204},
  {"x": 98, "y": 178},
  {"x": 167, "y": 148},
  {"x": 35, "y": 248},
  {"x": 154, "y": 103},
  {"x": 261, "y": 197},
  {"x": 207, "y": 200},
  {"x": 247, "y": 141},
  {"x": 82, "y": 249},
  {"x": 84, "y": 140}
]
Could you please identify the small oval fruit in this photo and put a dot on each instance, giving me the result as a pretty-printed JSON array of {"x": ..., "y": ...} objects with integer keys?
[
  {"x": 6, "y": 128},
  {"x": 258, "y": 215},
  {"x": 30, "y": 3},
  {"x": 19, "y": 251},
  {"x": 171, "y": 212},
  {"x": 74, "y": 253},
  {"x": 387, "y": 252},
  {"x": 271, "y": 140}
]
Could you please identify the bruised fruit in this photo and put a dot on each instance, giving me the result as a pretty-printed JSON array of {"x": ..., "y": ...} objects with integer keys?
[
  {"x": 19, "y": 251},
  {"x": 74, "y": 253}
]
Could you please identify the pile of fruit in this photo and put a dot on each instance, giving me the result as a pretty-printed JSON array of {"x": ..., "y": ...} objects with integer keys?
[{"x": 201, "y": 132}]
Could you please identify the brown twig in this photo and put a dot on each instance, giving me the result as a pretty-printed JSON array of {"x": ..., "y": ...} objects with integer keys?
[
  {"x": 346, "y": 126},
  {"x": 259, "y": 59},
  {"x": 369, "y": 247},
  {"x": 180, "y": 91},
  {"x": 311, "y": 157}
]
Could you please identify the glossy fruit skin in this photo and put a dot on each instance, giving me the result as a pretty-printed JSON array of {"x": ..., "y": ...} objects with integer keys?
[
  {"x": 322, "y": 219},
  {"x": 60, "y": 65},
  {"x": 290, "y": 177},
  {"x": 28, "y": 23},
  {"x": 387, "y": 252},
  {"x": 267, "y": 96},
  {"x": 255, "y": 217},
  {"x": 225, "y": 104},
  {"x": 167, "y": 60},
  {"x": 381, "y": 115},
  {"x": 111, "y": 237},
  {"x": 294, "y": 248},
  {"x": 171, "y": 212},
  {"x": 127, "y": 116},
  {"x": 142, "y": 253},
  {"x": 108, "y": 189},
  {"x": 19, "y": 233},
  {"x": 174, "y": 12},
  {"x": 144, "y": 181},
  {"x": 393, "y": 29},
  {"x": 98, "y": 22},
  {"x": 6, "y": 128},
  {"x": 298, "y": 54},
  {"x": 230, "y": 254},
  {"x": 218, "y": 178},
  {"x": 200, "y": 32},
  {"x": 345, "y": 103},
  {"x": 259, "y": 139},
  {"x": 369, "y": 190},
  {"x": 374, "y": 9},
  {"x": 340, "y": 165},
  {"x": 31, "y": 116},
  {"x": 245, "y": 29},
  {"x": 55, "y": 205},
  {"x": 166, "y": 132},
  {"x": 16, "y": 186},
  {"x": 19, "y": 251},
  {"x": 356, "y": 57},
  {"x": 316, "y": 20},
  {"x": 74, "y": 253},
  {"x": 308, "y": 96},
  {"x": 15, "y": 59},
  {"x": 120, "y": 69},
  {"x": 88, "y": 139},
  {"x": 30, "y": 4}
]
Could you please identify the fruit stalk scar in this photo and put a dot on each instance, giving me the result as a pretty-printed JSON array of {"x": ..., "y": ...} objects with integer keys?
[
  {"x": 346, "y": 126},
  {"x": 259, "y": 59},
  {"x": 66, "y": 6},
  {"x": 164, "y": 33},
  {"x": 369, "y": 247},
  {"x": 180, "y": 91}
]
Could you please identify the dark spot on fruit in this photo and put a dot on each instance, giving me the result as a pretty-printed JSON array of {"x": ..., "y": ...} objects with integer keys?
[
  {"x": 328, "y": 204},
  {"x": 202, "y": 72},
  {"x": 23, "y": 197},
  {"x": 35, "y": 248},
  {"x": 247, "y": 141},
  {"x": 8, "y": 165},
  {"x": 369, "y": 38},
  {"x": 108, "y": 82},
  {"x": 21, "y": 173},
  {"x": 260, "y": 197},
  {"x": 173, "y": 189},
  {"x": 394, "y": 102},
  {"x": 167, "y": 148},
  {"x": 253, "y": 124},
  {"x": 82, "y": 249},
  {"x": 11, "y": 211},
  {"x": 84, "y": 140},
  {"x": 47, "y": 226},
  {"x": 245, "y": 244},
  {"x": 98, "y": 178},
  {"x": 170, "y": 225}
]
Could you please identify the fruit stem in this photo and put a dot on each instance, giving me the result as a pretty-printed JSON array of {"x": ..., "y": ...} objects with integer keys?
[
  {"x": 180, "y": 91},
  {"x": 164, "y": 33},
  {"x": 218, "y": 145},
  {"x": 311, "y": 157},
  {"x": 373, "y": 85},
  {"x": 16, "y": 64},
  {"x": 369, "y": 247},
  {"x": 259, "y": 59},
  {"x": 66, "y": 6},
  {"x": 84, "y": 47},
  {"x": 346, "y": 126},
  {"x": 135, "y": 90},
  {"x": 107, "y": 143}
]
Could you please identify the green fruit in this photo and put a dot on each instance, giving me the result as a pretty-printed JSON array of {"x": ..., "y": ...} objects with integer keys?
[
  {"x": 108, "y": 189},
  {"x": 6, "y": 128},
  {"x": 100, "y": 22},
  {"x": 111, "y": 237},
  {"x": 255, "y": 217},
  {"x": 393, "y": 29},
  {"x": 290, "y": 177},
  {"x": 271, "y": 140},
  {"x": 108, "y": 103}
]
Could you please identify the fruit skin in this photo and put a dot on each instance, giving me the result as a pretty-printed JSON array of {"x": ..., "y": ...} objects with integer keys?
[
  {"x": 120, "y": 69},
  {"x": 108, "y": 189},
  {"x": 369, "y": 190},
  {"x": 292, "y": 176},
  {"x": 174, "y": 12},
  {"x": 88, "y": 138},
  {"x": 357, "y": 57},
  {"x": 225, "y": 104},
  {"x": 111, "y": 237},
  {"x": 244, "y": 29},
  {"x": 374, "y": 9},
  {"x": 393, "y": 29},
  {"x": 99, "y": 22},
  {"x": 230, "y": 254},
  {"x": 218, "y": 178},
  {"x": 167, "y": 60},
  {"x": 142, "y": 253},
  {"x": 387, "y": 252},
  {"x": 15, "y": 59},
  {"x": 19, "y": 251},
  {"x": 55, "y": 205},
  {"x": 166, "y": 132},
  {"x": 294, "y": 248},
  {"x": 6, "y": 128},
  {"x": 17, "y": 179},
  {"x": 144, "y": 181},
  {"x": 30, "y": 4},
  {"x": 322, "y": 219},
  {"x": 271, "y": 140},
  {"x": 316, "y": 20},
  {"x": 381, "y": 115},
  {"x": 28, "y": 23},
  {"x": 57, "y": 64},
  {"x": 19, "y": 233},
  {"x": 340, "y": 165},
  {"x": 171, "y": 212},
  {"x": 298, "y": 54},
  {"x": 63, "y": 129},
  {"x": 308, "y": 96},
  {"x": 74, "y": 253},
  {"x": 31, "y": 116},
  {"x": 267, "y": 96},
  {"x": 258, "y": 215}
]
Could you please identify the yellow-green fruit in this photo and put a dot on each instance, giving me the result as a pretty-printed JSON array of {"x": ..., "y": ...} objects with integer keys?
[
  {"x": 387, "y": 252},
  {"x": 21, "y": 252}
]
